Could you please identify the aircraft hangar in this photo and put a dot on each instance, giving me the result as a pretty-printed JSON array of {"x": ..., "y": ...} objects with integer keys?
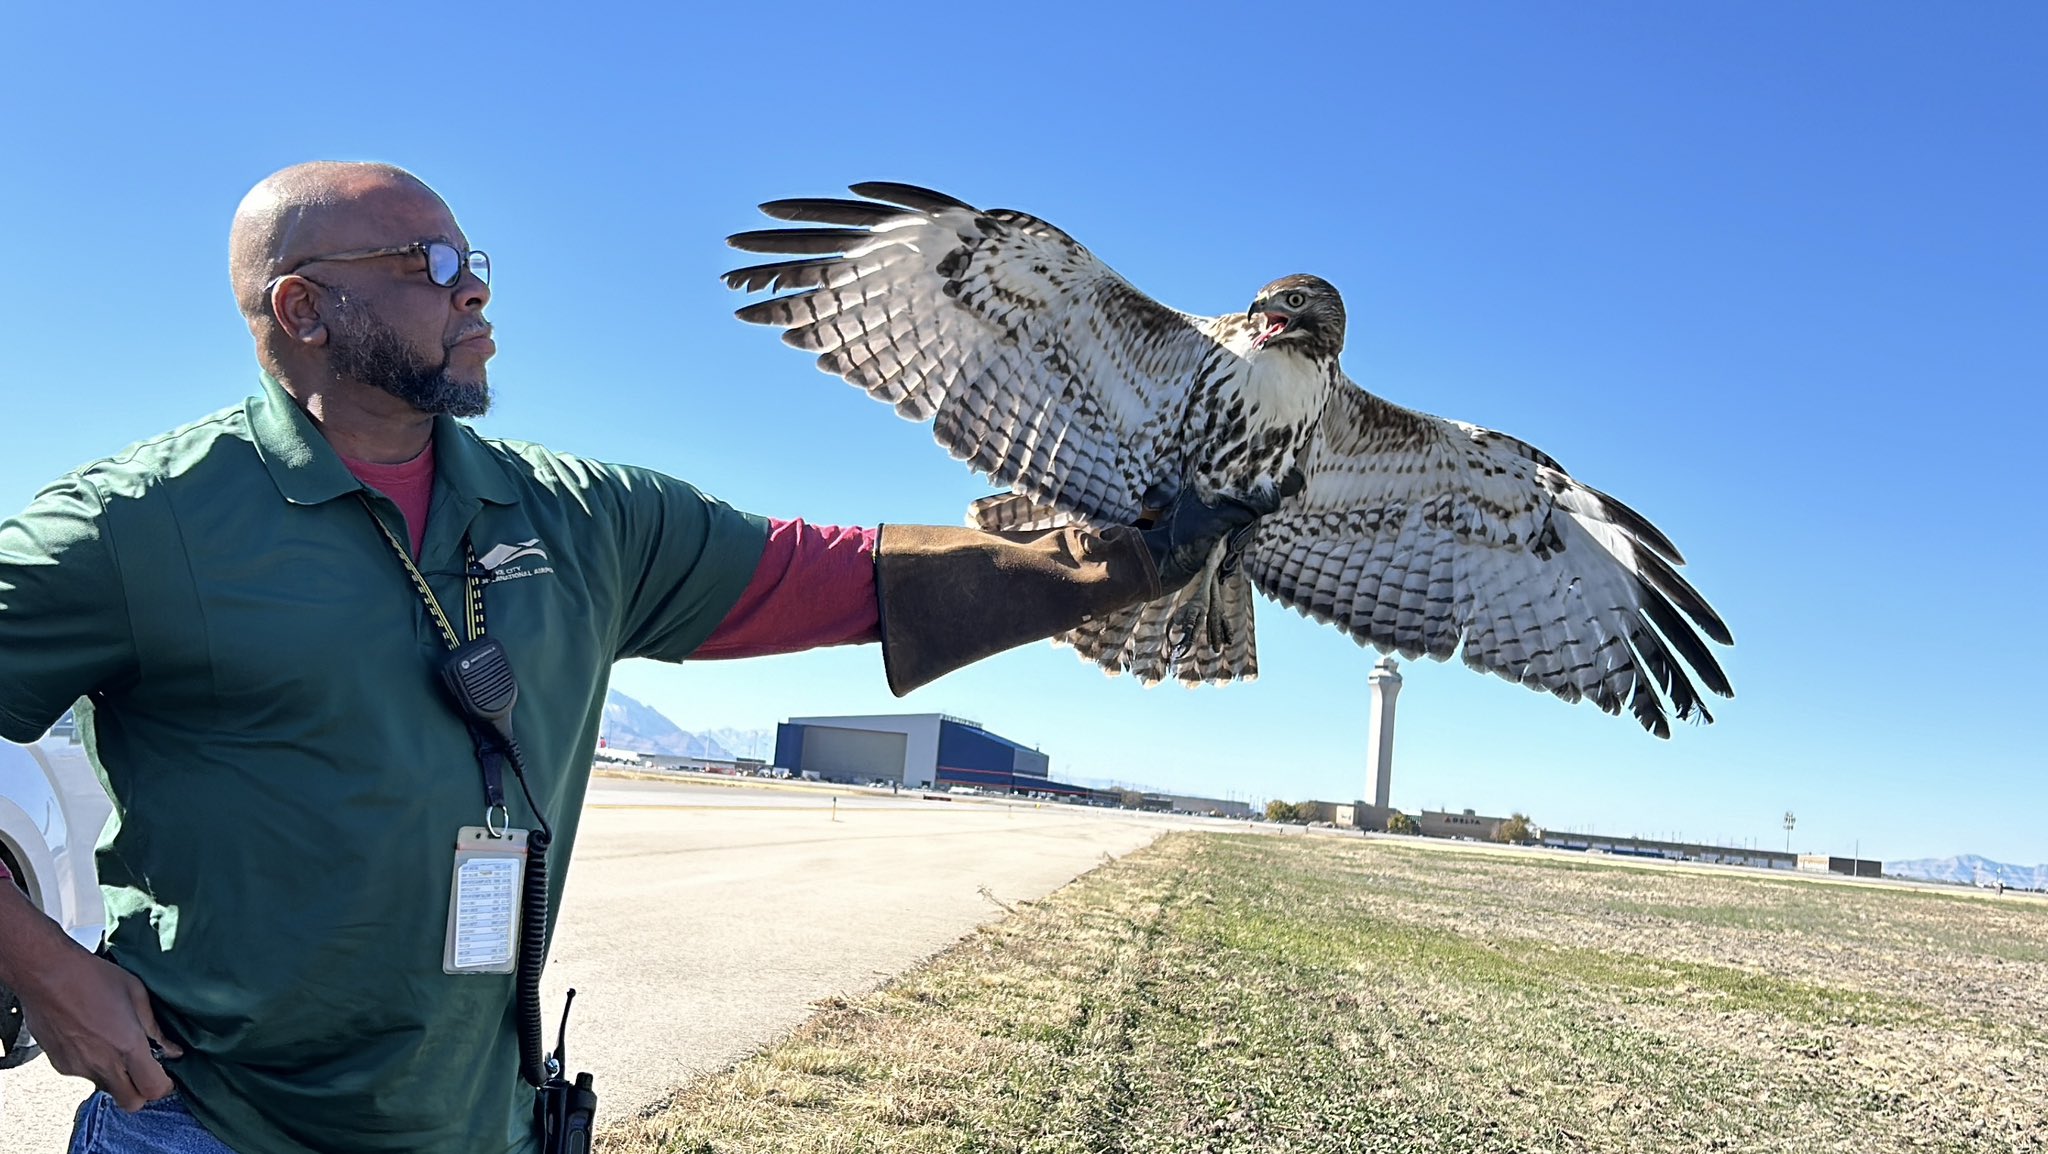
[{"x": 916, "y": 750}]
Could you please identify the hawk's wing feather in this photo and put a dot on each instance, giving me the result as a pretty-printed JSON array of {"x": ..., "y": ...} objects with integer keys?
[
  {"x": 1037, "y": 364},
  {"x": 1579, "y": 495},
  {"x": 831, "y": 210},
  {"x": 910, "y": 196},
  {"x": 1424, "y": 536},
  {"x": 798, "y": 240}
]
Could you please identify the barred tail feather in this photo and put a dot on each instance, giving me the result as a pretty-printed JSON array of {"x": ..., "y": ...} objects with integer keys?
[
  {"x": 1015, "y": 513},
  {"x": 1201, "y": 633}
]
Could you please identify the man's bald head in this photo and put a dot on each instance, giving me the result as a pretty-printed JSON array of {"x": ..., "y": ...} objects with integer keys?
[
  {"x": 309, "y": 209},
  {"x": 331, "y": 268}
]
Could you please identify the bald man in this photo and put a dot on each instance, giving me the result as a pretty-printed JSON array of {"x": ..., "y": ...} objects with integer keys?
[{"x": 253, "y": 614}]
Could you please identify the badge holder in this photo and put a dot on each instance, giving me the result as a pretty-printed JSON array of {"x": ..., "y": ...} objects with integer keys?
[{"x": 483, "y": 901}]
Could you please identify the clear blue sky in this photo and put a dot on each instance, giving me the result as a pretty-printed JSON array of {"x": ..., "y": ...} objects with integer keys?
[{"x": 1774, "y": 273}]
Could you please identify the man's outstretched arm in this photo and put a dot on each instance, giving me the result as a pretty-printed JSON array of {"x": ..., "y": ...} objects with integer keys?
[{"x": 941, "y": 597}]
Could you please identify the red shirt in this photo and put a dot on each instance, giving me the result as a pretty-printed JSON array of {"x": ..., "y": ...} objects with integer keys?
[
  {"x": 410, "y": 486},
  {"x": 814, "y": 585}
]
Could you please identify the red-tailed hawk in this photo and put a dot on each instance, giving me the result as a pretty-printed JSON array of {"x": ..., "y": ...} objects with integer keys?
[{"x": 1090, "y": 401}]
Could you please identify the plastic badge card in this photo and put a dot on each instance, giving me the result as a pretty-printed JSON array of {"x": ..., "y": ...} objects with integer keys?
[{"x": 483, "y": 901}]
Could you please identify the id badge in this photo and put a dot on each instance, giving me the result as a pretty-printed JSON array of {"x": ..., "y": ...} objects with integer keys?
[{"x": 483, "y": 901}]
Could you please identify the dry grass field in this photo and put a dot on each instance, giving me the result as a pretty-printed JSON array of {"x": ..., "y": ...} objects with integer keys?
[{"x": 1239, "y": 993}]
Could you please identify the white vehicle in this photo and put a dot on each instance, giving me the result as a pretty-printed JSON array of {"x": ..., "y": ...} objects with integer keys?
[{"x": 52, "y": 810}]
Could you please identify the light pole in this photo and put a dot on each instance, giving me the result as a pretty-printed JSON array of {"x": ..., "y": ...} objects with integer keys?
[{"x": 1790, "y": 821}]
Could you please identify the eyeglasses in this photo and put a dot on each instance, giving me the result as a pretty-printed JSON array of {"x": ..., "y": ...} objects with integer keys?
[{"x": 445, "y": 262}]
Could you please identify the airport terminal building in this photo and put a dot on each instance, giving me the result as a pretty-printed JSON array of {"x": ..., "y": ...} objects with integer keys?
[{"x": 915, "y": 750}]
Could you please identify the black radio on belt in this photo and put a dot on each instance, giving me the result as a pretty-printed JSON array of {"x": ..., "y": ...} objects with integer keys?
[{"x": 563, "y": 1112}]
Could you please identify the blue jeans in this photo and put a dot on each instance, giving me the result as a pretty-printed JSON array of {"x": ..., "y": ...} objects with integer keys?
[{"x": 162, "y": 1127}]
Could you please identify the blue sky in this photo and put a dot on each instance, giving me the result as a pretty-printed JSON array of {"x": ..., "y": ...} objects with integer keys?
[{"x": 1775, "y": 274}]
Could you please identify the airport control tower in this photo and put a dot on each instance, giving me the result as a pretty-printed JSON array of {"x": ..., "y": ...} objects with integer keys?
[{"x": 1379, "y": 775}]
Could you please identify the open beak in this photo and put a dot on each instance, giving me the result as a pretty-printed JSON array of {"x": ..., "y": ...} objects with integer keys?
[{"x": 1269, "y": 324}]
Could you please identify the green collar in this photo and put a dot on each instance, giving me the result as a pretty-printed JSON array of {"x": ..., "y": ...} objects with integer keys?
[
  {"x": 302, "y": 465},
  {"x": 468, "y": 467},
  {"x": 307, "y": 471}
]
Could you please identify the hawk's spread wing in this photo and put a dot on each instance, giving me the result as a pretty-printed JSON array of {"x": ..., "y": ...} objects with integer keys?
[
  {"x": 1040, "y": 366},
  {"x": 1416, "y": 534}
]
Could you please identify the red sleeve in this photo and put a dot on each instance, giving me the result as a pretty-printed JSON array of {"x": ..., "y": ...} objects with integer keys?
[{"x": 815, "y": 586}]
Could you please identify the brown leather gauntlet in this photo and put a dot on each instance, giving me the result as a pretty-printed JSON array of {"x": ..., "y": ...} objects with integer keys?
[{"x": 952, "y": 596}]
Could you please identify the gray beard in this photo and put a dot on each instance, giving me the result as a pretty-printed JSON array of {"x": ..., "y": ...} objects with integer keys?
[{"x": 366, "y": 349}]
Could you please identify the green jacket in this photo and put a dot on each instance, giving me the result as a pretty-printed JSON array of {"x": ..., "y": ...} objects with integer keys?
[{"x": 287, "y": 774}]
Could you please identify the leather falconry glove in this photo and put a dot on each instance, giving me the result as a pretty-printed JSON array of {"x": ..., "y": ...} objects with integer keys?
[{"x": 952, "y": 596}]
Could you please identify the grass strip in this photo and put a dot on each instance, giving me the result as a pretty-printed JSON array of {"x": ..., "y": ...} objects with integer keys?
[{"x": 1238, "y": 993}]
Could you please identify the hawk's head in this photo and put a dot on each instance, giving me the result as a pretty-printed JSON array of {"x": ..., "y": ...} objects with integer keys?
[{"x": 1299, "y": 312}]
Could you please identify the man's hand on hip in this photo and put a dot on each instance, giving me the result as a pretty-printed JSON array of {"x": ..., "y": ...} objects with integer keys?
[{"x": 93, "y": 1020}]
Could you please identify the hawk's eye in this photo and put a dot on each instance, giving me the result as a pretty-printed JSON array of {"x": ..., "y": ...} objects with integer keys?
[{"x": 1295, "y": 300}]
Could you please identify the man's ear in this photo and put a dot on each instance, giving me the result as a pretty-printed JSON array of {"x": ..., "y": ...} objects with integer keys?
[{"x": 297, "y": 309}]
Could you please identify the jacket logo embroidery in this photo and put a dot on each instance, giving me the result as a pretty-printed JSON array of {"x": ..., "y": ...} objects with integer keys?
[
  {"x": 501, "y": 557},
  {"x": 500, "y": 554}
]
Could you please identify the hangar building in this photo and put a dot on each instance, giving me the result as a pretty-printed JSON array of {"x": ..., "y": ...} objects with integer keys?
[{"x": 918, "y": 750}]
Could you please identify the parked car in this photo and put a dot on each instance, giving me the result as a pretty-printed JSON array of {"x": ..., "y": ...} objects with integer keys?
[{"x": 52, "y": 810}]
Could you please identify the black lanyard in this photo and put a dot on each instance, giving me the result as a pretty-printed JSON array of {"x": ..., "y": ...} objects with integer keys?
[{"x": 489, "y": 755}]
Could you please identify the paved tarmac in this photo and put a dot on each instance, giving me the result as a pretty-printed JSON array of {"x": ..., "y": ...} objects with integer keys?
[{"x": 703, "y": 921}]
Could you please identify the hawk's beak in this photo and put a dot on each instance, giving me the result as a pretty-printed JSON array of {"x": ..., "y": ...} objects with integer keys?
[{"x": 1269, "y": 324}]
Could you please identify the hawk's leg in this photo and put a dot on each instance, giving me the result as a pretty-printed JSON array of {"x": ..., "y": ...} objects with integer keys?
[{"x": 1189, "y": 620}]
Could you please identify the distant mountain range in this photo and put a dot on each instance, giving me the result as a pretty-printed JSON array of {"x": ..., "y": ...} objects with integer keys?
[
  {"x": 758, "y": 743},
  {"x": 631, "y": 725},
  {"x": 1970, "y": 870}
]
